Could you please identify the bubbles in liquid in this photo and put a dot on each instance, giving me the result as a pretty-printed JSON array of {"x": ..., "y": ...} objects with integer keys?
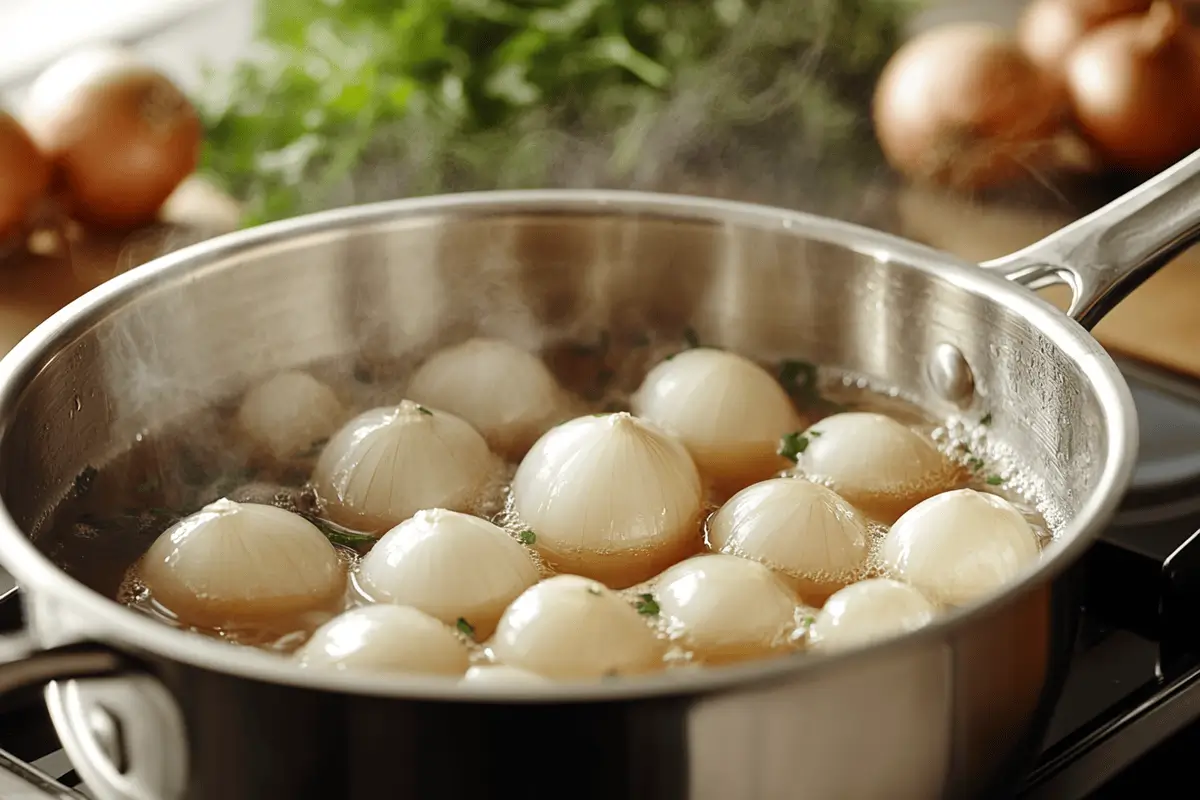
[{"x": 604, "y": 375}]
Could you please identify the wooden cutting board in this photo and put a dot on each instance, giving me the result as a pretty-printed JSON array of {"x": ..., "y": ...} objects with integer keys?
[{"x": 1159, "y": 323}]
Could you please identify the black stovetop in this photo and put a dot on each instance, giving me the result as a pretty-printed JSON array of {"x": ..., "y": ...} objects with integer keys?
[{"x": 1131, "y": 706}]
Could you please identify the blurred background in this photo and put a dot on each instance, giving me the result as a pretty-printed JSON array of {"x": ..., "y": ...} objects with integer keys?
[{"x": 973, "y": 125}]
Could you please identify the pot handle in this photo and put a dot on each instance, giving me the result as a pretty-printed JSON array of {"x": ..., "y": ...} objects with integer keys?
[
  {"x": 1110, "y": 252},
  {"x": 119, "y": 725}
]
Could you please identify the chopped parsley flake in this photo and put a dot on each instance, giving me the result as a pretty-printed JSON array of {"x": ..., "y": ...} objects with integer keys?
[
  {"x": 465, "y": 628},
  {"x": 975, "y": 463},
  {"x": 527, "y": 536},
  {"x": 791, "y": 445},
  {"x": 814, "y": 434},
  {"x": 994, "y": 480},
  {"x": 987, "y": 419},
  {"x": 424, "y": 410},
  {"x": 646, "y": 604}
]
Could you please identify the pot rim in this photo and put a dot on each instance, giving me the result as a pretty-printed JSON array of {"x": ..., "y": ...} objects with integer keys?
[{"x": 128, "y": 629}]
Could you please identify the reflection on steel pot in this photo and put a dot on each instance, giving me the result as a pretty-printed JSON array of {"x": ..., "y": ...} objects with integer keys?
[{"x": 148, "y": 711}]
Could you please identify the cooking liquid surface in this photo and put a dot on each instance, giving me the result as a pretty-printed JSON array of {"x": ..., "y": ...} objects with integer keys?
[{"x": 118, "y": 509}]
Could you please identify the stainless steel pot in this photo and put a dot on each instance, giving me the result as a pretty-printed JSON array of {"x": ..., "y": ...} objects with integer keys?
[{"x": 149, "y": 712}]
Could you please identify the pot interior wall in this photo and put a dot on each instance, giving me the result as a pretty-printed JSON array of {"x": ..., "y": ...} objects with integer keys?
[{"x": 384, "y": 291}]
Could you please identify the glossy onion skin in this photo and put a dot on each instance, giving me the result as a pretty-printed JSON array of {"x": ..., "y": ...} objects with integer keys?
[
  {"x": 388, "y": 463},
  {"x": 1049, "y": 30},
  {"x": 121, "y": 135},
  {"x": 868, "y": 611},
  {"x": 573, "y": 628},
  {"x": 728, "y": 411},
  {"x": 288, "y": 413},
  {"x": 960, "y": 546},
  {"x": 242, "y": 563},
  {"x": 1128, "y": 83},
  {"x": 796, "y": 527},
  {"x": 961, "y": 105},
  {"x": 610, "y": 497},
  {"x": 449, "y": 565},
  {"x": 877, "y": 464},
  {"x": 386, "y": 638},
  {"x": 725, "y": 608},
  {"x": 502, "y": 675},
  {"x": 506, "y": 393}
]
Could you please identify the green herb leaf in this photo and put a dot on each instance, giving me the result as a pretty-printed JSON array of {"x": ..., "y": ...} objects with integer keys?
[
  {"x": 994, "y": 480},
  {"x": 646, "y": 604},
  {"x": 814, "y": 434},
  {"x": 424, "y": 410},
  {"x": 337, "y": 534},
  {"x": 362, "y": 100},
  {"x": 527, "y": 537},
  {"x": 791, "y": 445},
  {"x": 975, "y": 463},
  {"x": 987, "y": 419},
  {"x": 465, "y": 628}
]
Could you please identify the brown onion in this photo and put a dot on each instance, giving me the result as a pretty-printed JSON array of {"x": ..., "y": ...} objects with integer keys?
[
  {"x": 24, "y": 175},
  {"x": 962, "y": 105},
  {"x": 120, "y": 134},
  {"x": 1134, "y": 85},
  {"x": 1050, "y": 29}
]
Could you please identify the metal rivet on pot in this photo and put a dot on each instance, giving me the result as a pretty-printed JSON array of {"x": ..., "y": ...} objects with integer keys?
[
  {"x": 950, "y": 375},
  {"x": 106, "y": 730}
]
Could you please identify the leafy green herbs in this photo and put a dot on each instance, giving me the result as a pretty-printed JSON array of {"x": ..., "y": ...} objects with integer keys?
[
  {"x": 994, "y": 480},
  {"x": 986, "y": 419},
  {"x": 425, "y": 411},
  {"x": 791, "y": 445},
  {"x": 527, "y": 537},
  {"x": 465, "y": 628},
  {"x": 646, "y": 604},
  {"x": 361, "y": 100},
  {"x": 337, "y": 534}
]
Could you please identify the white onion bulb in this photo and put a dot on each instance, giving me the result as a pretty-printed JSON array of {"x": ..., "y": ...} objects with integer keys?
[
  {"x": 723, "y": 607},
  {"x": 797, "y": 527},
  {"x": 729, "y": 412},
  {"x": 386, "y": 638},
  {"x": 502, "y": 675},
  {"x": 288, "y": 413},
  {"x": 387, "y": 464},
  {"x": 867, "y": 611},
  {"x": 611, "y": 497},
  {"x": 573, "y": 628},
  {"x": 878, "y": 464},
  {"x": 506, "y": 393},
  {"x": 451, "y": 566},
  {"x": 959, "y": 546},
  {"x": 234, "y": 563}
]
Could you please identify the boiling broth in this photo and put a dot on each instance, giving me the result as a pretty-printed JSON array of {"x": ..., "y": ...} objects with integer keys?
[{"x": 117, "y": 509}]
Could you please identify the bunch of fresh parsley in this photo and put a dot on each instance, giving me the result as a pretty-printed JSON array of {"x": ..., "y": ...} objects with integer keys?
[{"x": 356, "y": 100}]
